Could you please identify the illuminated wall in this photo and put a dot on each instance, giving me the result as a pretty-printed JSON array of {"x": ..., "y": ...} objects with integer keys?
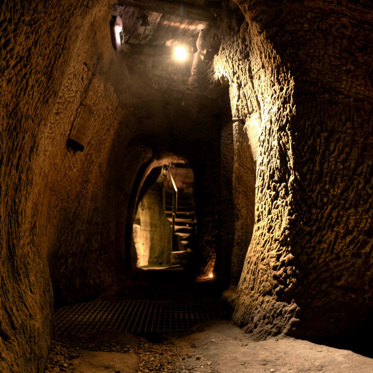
[{"x": 300, "y": 92}]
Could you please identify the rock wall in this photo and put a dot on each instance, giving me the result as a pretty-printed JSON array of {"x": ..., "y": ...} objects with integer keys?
[
  {"x": 237, "y": 191},
  {"x": 156, "y": 233},
  {"x": 76, "y": 194},
  {"x": 299, "y": 85},
  {"x": 243, "y": 191},
  {"x": 64, "y": 212},
  {"x": 226, "y": 205},
  {"x": 205, "y": 161},
  {"x": 301, "y": 103},
  {"x": 47, "y": 77}
]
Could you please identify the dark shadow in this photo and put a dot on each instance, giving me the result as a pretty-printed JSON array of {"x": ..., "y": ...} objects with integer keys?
[{"x": 360, "y": 343}]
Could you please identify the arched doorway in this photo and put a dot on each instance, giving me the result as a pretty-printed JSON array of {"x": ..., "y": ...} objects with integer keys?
[{"x": 165, "y": 220}]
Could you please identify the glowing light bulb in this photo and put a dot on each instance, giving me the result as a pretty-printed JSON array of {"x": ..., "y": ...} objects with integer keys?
[
  {"x": 180, "y": 53},
  {"x": 211, "y": 275}
]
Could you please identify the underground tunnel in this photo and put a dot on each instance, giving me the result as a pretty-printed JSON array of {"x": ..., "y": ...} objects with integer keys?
[
  {"x": 165, "y": 218},
  {"x": 186, "y": 185}
]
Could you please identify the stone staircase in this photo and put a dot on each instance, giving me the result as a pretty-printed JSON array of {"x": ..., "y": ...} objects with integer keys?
[
  {"x": 185, "y": 220},
  {"x": 185, "y": 223}
]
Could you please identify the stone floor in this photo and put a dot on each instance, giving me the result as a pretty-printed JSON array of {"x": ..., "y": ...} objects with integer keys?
[{"x": 203, "y": 347}]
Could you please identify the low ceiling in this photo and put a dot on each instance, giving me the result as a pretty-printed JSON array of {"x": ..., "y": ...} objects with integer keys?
[
  {"x": 174, "y": 102},
  {"x": 164, "y": 23}
]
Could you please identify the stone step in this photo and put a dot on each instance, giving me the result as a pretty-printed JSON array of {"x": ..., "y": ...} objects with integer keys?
[
  {"x": 181, "y": 208},
  {"x": 181, "y": 196},
  {"x": 182, "y": 221},
  {"x": 183, "y": 229},
  {"x": 186, "y": 212},
  {"x": 179, "y": 257},
  {"x": 182, "y": 216},
  {"x": 183, "y": 236},
  {"x": 185, "y": 204}
]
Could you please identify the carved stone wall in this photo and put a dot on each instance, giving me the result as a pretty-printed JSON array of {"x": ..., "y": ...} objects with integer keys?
[
  {"x": 300, "y": 73},
  {"x": 38, "y": 48},
  {"x": 156, "y": 232},
  {"x": 243, "y": 191},
  {"x": 301, "y": 101}
]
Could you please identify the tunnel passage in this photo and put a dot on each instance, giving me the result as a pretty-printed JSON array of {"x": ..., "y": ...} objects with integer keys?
[
  {"x": 171, "y": 223},
  {"x": 300, "y": 94},
  {"x": 165, "y": 292},
  {"x": 164, "y": 231}
]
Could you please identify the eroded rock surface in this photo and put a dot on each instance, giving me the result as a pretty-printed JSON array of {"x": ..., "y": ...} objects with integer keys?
[
  {"x": 299, "y": 85},
  {"x": 301, "y": 99}
]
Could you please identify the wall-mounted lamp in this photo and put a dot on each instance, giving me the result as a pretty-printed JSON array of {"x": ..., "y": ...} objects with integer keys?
[{"x": 116, "y": 30}]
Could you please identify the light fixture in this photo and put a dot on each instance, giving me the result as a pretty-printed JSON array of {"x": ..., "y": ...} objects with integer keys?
[
  {"x": 117, "y": 34},
  {"x": 180, "y": 53}
]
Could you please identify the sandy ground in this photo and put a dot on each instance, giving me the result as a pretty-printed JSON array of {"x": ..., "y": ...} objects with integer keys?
[{"x": 213, "y": 347}]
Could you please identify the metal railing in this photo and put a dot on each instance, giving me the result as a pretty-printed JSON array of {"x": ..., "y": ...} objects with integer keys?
[{"x": 174, "y": 206}]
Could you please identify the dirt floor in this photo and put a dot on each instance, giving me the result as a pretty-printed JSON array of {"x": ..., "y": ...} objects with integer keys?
[{"x": 217, "y": 346}]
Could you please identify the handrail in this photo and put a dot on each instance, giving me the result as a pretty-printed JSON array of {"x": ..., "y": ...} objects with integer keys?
[
  {"x": 174, "y": 206},
  {"x": 173, "y": 185}
]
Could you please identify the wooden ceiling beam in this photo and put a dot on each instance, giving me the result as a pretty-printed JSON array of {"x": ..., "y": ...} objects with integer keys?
[{"x": 172, "y": 8}]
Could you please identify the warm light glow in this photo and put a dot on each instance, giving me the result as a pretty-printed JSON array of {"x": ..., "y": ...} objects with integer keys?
[
  {"x": 118, "y": 34},
  {"x": 211, "y": 275},
  {"x": 180, "y": 53}
]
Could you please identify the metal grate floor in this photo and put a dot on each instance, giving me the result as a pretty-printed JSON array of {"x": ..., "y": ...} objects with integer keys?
[{"x": 134, "y": 316}]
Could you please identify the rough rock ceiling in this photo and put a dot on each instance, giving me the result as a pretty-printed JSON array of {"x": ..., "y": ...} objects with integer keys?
[{"x": 160, "y": 23}]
